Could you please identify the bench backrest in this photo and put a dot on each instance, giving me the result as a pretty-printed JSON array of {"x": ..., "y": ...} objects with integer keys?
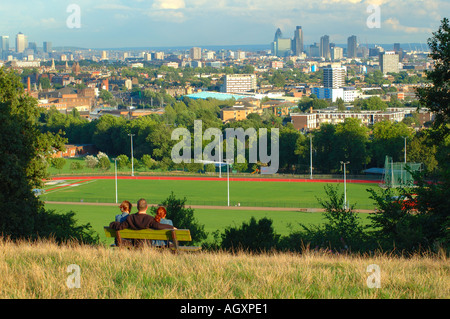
[{"x": 153, "y": 234}]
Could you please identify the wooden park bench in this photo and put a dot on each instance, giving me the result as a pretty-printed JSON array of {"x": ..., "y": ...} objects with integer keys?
[{"x": 169, "y": 235}]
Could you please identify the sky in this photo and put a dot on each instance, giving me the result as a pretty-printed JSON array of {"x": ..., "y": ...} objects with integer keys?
[{"x": 171, "y": 23}]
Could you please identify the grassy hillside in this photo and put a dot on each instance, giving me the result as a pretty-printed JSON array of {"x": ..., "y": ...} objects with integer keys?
[{"x": 40, "y": 270}]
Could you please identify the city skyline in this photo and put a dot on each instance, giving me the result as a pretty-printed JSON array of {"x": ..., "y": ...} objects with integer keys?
[{"x": 166, "y": 23}]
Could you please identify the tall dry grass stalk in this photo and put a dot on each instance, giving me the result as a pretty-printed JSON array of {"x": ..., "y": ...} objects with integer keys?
[{"x": 39, "y": 270}]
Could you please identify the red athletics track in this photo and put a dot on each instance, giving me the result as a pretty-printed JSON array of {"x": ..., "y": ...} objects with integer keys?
[{"x": 233, "y": 179}]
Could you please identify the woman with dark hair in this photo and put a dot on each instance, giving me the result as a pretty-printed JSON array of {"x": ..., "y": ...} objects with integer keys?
[{"x": 160, "y": 217}]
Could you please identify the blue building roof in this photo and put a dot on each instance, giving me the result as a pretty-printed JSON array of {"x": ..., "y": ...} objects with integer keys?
[{"x": 215, "y": 95}]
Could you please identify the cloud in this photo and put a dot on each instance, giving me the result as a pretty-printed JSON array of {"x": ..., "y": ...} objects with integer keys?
[
  {"x": 395, "y": 25},
  {"x": 169, "y": 4},
  {"x": 112, "y": 6}
]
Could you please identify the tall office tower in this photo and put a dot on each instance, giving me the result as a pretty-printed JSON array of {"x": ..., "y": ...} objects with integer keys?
[
  {"x": 21, "y": 42},
  {"x": 283, "y": 47},
  {"x": 104, "y": 55},
  {"x": 278, "y": 35},
  {"x": 235, "y": 83},
  {"x": 297, "y": 46},
  {"x": 389, "y": 62},
  {"x": 352, "y": 47},
  {"x": 195, "y": 53},
  {"x": 399, "y": 51},
  {"x": 4, "y": 42},
  {"x": 325, "y": 47},
  {"x": 32, "y": 46},
  {"x": 314, "y": 50},
  {"x": 334, "y": 77},
  {"x": 47, "y": 47}
]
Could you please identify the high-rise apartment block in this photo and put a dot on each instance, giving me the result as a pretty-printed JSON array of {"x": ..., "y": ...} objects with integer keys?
[
  {"x": 238, "y": 83},
  {"x": 389, "y": 61},
  {"x": 334, "y": 77},
  {"x": 337, "y": 53},
  {"x": 196, "y": 53},
  {"x": 352, "y": 47}
]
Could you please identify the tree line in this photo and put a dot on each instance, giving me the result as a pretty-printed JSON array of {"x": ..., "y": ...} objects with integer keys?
[{"x": 350, "y": 141}]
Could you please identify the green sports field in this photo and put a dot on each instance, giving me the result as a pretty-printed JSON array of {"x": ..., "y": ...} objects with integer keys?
[{"x": 205, "y": 192}]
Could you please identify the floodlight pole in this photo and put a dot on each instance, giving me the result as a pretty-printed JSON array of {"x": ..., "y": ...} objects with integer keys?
[
  {"x": 345, "y": 184},
  {"x": 132, "y": 158},
  {"x": 228, "y": 183},
  {"x": 310, "y": 157},
  {"x": 220, "y": 158},
  {"x": 405, "y": 150},
  {"x": 115, "y": 169}
]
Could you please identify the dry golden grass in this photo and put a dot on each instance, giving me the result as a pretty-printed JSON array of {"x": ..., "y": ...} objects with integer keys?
[{"x": 39, "y": 270}]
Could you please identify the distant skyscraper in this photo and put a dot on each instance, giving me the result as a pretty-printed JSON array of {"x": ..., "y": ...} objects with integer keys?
[
  {"x": 337, "y": 53},
  {"x": 389, "y": 62},
  {"x": 325, "y": 47},
  {"x": 47, "y": 47},
  {"x": 195, "y": 53},
  {"x": 334, "y": 77},
  {"x": 314, "y": 51},
  {"x": 278, "y": 35},
  {"x": 32, "y": 46},
  {"x": 21, "y": 42},
  {"x": 352, "y": 47},
  {"x": 297, "y": 46},
  {"x": 283, "y": 47},
  {"x": 398, "y": 50},
  {"x": 4, "y": 47},
  {"x": 4, "y": 42}
]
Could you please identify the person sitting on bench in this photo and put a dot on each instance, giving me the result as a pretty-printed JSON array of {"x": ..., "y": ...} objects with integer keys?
[
  {"x": 160, "y": 217},
  {"x": 140, "y": 220}
]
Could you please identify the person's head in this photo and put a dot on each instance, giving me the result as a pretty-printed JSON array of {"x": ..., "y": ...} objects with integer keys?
[
  {"x": 125, "y": 206},
  {"x": 160, "y": 214},
  {"x": 142, "y": 205}
]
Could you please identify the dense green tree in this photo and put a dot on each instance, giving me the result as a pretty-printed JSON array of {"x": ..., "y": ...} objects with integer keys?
[
  {"x": 324, "y": 144},
  {"x": 373, "y": 103},
  {"x": 351, "y": 144},
  {"x": 388, "y": 140},
  {"x": 437, "y": 96},
  {"x": 23, "y": 163},
  {"x": 422, "y": 150}
]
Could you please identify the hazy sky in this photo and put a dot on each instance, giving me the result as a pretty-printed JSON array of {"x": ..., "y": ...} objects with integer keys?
[{"x": 154, "y": 23}]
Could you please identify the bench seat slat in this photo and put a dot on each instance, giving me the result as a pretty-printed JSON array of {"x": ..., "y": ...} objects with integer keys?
[{"x": 152, "y": 234}]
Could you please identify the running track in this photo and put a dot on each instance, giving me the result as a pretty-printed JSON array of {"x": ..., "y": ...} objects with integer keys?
[{"x": 232, "y": 179}]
